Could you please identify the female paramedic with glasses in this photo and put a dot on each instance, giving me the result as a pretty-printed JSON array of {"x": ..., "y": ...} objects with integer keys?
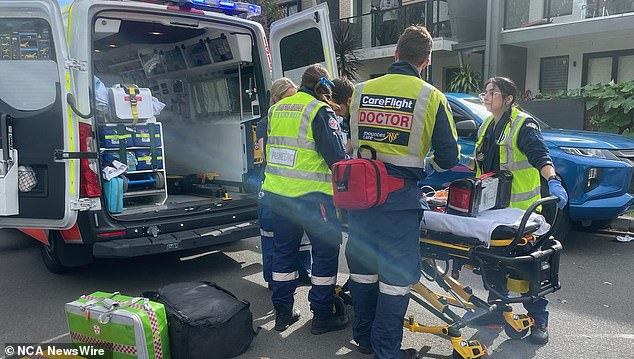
[
  {"x": 304, "y": 141},
  {"x": 510, "y": 140}
]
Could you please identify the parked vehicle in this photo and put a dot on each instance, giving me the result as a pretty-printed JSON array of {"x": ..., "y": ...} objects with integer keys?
[
  {"x": 596, "y": 168},
  {"x": 203, "y": 59}
]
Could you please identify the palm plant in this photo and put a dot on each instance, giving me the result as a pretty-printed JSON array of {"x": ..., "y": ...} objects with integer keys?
[
  {"x": 346, "y": 44},
  {"x": 466, "y": 80}
]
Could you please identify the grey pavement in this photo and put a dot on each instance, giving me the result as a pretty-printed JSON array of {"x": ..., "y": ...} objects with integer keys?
[{"x": 589, "y": 316}]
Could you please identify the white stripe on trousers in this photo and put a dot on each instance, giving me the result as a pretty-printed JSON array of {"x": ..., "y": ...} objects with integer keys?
[
  {"x": 364, "y": 278},
  {"x": 285, "y": 277},
  {"x": 393, "y": 289}
]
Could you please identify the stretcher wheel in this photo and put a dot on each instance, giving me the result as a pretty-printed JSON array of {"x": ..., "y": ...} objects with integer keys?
[
  {"x": 512, "y": 333},
  {"x": 125, "y": 183},
  {"x": 160, "y": 180}
]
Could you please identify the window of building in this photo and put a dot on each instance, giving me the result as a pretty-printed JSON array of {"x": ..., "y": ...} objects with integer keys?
[
  {"x": 603, "y": 67},
  {"x": 290, "y": 9},
  {"x": 557, "y": 8},
  {"x": 516, "y": 13},
  {"x": 553, "y": 74}
]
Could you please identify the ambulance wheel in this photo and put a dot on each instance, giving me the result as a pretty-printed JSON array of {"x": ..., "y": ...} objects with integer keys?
[
  {"x": 59, "y": 257},
  {"x": 513, "y": 334}
]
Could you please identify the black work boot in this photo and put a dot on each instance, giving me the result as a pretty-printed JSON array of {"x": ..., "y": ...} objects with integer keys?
[
  {"x": 409, "y": 353},
  {"x": 539, "y": 334},
  {"x": 365, "y": 349},
  {"x": 331, "y": 324},
  {"x": 284, "y": 319}
]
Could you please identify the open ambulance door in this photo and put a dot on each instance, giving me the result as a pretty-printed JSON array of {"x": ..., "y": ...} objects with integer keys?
[
  {"x": 38, "y": 134},
  {"x": 300, "y": 40}
]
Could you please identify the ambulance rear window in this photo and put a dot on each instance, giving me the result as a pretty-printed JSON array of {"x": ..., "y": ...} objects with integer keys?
[
  {"x": 26, "y": 39},
  {"x": 304, "y": 49}
]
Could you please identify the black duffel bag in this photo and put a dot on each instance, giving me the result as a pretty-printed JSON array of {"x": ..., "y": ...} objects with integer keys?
[{"x": 205, "y": 321}]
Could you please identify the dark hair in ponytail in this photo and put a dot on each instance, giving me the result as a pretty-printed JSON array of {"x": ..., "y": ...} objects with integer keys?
[
  {"x": 506, "y": 85},
  {"x": 312, "y": 80}
]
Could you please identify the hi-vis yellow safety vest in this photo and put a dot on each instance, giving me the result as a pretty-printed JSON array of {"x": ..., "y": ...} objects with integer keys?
[
  {"x": 526, "y": 179},
  {"x": 395, "y": 114},
  {"x": 294, "y": 167}
]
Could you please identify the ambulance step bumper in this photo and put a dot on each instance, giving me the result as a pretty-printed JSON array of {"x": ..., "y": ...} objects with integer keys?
[{"x": 174, "y": 242}]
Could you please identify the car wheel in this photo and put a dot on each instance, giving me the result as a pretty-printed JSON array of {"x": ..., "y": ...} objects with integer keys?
[{"x": 59, "y": 257}]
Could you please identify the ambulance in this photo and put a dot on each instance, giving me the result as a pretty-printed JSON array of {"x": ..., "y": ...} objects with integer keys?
[{"x": 127, "y": 126}]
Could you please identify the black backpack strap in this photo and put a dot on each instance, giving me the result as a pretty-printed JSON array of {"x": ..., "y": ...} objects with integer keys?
[{"x": 342, "y": 185}]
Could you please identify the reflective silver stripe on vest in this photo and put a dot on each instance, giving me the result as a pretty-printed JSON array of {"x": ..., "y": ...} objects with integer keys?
[
  {"x": 393, "y": 289},
  {"x": 510, "y": 164},
  {"x": 415, "y": 136},
  {"x": 364, "y": 278},
  {"x": 285, "y": 277},
  {"x": 302, "y": 140},
  {"x": 305, "y": 247},
  {"x": 355, "y": 105},
  {"x": 525, "y": 196},
  {"x": 323, "y": 280},
  {"x": 294, "y": 173},
  {"x": 264, "y": 233}
]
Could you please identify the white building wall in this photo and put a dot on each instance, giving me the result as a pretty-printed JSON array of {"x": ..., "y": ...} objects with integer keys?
[{"x": 575, "y": 51}]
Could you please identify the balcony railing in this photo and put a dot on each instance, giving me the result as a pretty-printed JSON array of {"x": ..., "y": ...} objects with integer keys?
[
  {"x": 525, "y": 13},
  {"x": 383, "y": 27}
]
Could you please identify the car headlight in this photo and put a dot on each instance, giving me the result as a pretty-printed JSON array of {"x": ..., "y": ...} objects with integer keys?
[{"x": 590, "y": 152}]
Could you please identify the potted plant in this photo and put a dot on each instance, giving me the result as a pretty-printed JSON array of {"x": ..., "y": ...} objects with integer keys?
[{"x": 465, "y": 80}]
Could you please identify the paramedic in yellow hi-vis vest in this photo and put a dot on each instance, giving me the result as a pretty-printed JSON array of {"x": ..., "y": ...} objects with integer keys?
[
  {"x": 400, "y": 116},
  {"x": 510, "y": 140},
  {"x": 304, "y": 140}
]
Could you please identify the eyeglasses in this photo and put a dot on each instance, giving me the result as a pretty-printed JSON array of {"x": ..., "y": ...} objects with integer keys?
[{"x": 491, "y": 94}]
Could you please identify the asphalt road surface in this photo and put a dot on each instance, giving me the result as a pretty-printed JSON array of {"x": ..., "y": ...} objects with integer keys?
[{"x": 590, "y": 317}]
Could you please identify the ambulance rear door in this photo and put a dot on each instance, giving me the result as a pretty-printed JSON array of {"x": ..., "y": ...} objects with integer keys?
[
  {"x": 39, "y": 165},
  {"x": 300, "y": 40}
]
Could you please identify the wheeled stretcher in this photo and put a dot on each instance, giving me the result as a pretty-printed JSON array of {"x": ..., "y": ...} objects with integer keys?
[{"x": 516, "y": 265}]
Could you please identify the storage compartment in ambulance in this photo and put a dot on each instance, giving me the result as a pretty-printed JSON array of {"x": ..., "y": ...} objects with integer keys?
[{"x": 175, "y": 110}]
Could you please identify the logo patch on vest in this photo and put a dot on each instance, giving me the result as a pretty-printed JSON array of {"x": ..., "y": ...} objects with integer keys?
[
  {"x": 394, "y": 103},
  {"x": 282, "y": 156},
  {"x": 393, "y": 120},
  {"x": 377, "y": 134},
  {"x": 333, "y": 123}
]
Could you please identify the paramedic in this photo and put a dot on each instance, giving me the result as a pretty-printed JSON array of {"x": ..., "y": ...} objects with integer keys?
[
  {"x": 400, "y": 116},
  {"x": 303, "y": 143},
  {"x": 510, "y": 140},
  {"x": 341, "y": 95},
  {"x": 281, "y": 88}
]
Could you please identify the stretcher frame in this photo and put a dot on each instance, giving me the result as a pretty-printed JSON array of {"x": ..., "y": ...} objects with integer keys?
[{"x": 537, "y": 272}]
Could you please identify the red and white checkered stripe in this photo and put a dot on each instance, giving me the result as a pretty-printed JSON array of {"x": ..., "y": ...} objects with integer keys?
[
  {"x": 102, "y": 344},
  {"x": 156, "y": 334}
]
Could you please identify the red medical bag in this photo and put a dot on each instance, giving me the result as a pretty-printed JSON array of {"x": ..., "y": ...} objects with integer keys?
[{"x": 362, "y": 183}]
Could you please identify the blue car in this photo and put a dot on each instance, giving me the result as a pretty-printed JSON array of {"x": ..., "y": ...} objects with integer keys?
[{"x": 596, "y": 167}]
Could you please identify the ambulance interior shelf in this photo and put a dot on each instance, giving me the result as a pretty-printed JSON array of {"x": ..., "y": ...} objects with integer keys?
[{"x": 140, "y": 148}]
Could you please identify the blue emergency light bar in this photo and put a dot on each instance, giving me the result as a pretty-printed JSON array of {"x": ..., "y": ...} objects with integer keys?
[{"x": 227, "y": 6}]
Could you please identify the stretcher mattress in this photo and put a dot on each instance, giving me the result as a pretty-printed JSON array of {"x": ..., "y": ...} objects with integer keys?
[{"x": 488, "y": 225}]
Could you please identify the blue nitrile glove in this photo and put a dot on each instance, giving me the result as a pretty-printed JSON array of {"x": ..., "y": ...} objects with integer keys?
[
  {"x": 428, "y": 168},
  {"x": 556, "y": 189},
  {"x": 465, "y": 161}
]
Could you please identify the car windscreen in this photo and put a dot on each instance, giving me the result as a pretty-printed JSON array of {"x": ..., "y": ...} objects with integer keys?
[{"x": 474, "y": 104}]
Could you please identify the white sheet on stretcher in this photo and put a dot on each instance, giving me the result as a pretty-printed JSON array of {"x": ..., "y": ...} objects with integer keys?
[{"x": 482, "y": 226}]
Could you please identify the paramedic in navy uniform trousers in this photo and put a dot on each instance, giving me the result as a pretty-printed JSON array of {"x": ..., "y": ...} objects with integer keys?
[
  {"x": 400, "y": 116},
  {"x": 304, "y": 141}
]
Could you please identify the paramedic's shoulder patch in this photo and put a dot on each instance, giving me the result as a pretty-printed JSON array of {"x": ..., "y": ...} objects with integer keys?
[
  {"x": 531, "y": 124},
  {"x": 333, "y": 123}
]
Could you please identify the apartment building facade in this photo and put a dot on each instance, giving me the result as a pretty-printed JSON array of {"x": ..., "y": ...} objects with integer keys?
[{"x": 544, "y": 45}]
